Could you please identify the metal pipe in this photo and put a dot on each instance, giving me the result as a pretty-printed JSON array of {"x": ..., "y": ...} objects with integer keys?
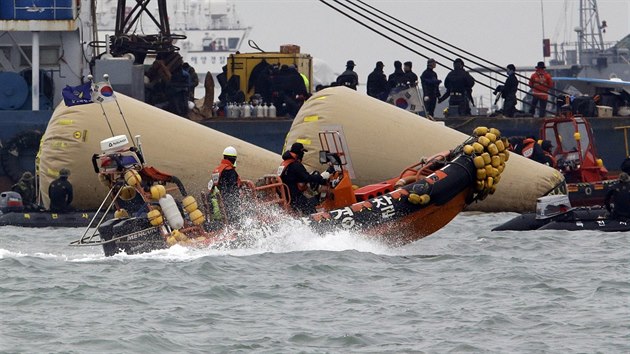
[{"x": 35, "y": 71}]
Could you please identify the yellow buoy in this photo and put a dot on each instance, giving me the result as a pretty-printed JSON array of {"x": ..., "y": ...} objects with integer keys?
[
  {"x": 489, "y": 171},
  {"x": 495, "y": 172},
  {"x": 170, "y": 241},
  {"x": 132, "y": 177},
  {"x": 413, "y": 198},
  {"x": 489, "y": 182},
  {"x": 500, "y": 145},
  {"x": 155, "y": 217},
  {"x": 496, "y": 180},
  {"x": 468, "y": 149},
  {"x": 577, "y": 136},
  {"x": 496, "y": 161},
  {"x": 483, "y": 141},
  {"x": 491, "y": 137},
  {"x": 190, "y": 204},
  {"x": 492, "y": 149},
  {"x": 197, "y": 217},
  {"x": 425, "y": 199},
  {"x": 127, "y": 193},
  {"x": 179, "y": 236},
  {"x": 493, "y": 188},
  {"x": 480, "y": 131},
  {"x": 481, "y": 174},
  {"x": 501, "y": 168},
  {"x": 486, "y": 158},
  {"x": 480, "y": 185},
  {"x": 507, "y": 155},
  {"x": 479, "y": 162},
  {"x": 502, "y": 157},
  {"x": 121, "y": 213},
  {"x": 478, "y": 147},
  {"x": 496, "y": 132},
  {"x": 157, "y": 191},
  {"x": 600, "y": 162}
]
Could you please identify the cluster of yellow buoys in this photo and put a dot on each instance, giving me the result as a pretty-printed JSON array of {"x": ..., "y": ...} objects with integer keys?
[
  {"x": 167, "y": 210},
  {"x": 489, "y": 154},
  {"x": 158, "y": 192}
]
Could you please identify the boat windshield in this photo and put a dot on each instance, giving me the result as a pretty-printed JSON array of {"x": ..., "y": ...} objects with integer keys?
[{"x": 565, "y": 136}]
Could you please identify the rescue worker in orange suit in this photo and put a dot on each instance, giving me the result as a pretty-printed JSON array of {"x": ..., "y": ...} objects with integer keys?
[
  {"x": 294, "y": 175},
  {"x": 619, "y": 195},
  {"x": 540, "y": 82},
  {"x": 548, "y": 152},
  {"x": 225, "y": 179}
]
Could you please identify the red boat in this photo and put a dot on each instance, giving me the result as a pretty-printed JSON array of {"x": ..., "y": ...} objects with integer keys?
[
  {"x": 574, "y": 150},
  {"x": 419, "y": 201}
]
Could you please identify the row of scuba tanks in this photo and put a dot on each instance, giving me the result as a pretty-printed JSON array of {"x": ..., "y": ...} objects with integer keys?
[{"x": 246, "y": 110}]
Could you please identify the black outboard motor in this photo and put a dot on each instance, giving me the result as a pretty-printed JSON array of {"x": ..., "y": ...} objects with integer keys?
[{"x": 11, "y": 202}]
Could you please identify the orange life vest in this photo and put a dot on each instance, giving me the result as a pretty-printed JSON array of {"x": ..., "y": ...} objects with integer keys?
[
  {"x": 224, "y": 165},
  {"x": 528, "y": 147}
]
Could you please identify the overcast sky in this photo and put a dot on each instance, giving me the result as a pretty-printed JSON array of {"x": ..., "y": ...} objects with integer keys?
[{"x": 503, "y": 31}]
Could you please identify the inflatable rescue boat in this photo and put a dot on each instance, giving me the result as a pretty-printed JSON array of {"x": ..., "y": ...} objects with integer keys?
[
  {"x": 555, "y": 213},
  {"x": 13, "y": 213},
  {"x": 420, "y": 200}
]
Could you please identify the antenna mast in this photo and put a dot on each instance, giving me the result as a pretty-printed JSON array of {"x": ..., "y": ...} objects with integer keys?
[{"x": 590, "y": 37}]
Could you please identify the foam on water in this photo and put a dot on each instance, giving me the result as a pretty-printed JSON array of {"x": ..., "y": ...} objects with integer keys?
[{"x": 462, "y": 289}]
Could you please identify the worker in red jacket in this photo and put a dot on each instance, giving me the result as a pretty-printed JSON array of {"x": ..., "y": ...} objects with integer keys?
[{"x": 540, "y": 82}]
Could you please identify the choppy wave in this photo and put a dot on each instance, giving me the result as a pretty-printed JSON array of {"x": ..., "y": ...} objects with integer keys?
[{"x": 463, "y": 289}]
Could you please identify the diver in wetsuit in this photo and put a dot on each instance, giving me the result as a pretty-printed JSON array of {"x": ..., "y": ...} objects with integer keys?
[
  {"x": 60, "y": 193},
  {"x": 294, "y": 175},
  {"x": 619, "y": 195}
]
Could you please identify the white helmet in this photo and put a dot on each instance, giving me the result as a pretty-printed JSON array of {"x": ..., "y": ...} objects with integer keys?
[{"x": 229, "y": 151}]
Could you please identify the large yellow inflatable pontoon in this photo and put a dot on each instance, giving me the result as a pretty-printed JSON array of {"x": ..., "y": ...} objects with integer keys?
[
  {"x": 171, "y": 144},
  {"x": 382, "y": 139}
]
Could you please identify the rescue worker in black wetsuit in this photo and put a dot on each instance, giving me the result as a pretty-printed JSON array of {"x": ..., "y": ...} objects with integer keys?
[
  {"x": 26, "y": 188},
  {"x": 532, "y": 150},
  {"x": 60, "y": 193},
  {"x": 377, "y": 83},
  {"x": 226, "y": 181},
  {"x": 619, "y": 195},
  {"x": 508, "y": 92},
  {"x": 459, "y": 84},
  {"x": 292, "y": 91},
  {"x": 411, "y": 79},
  {"x": 396, "y": 78},
  {"x": 294, "y": 175},
  {"x": 547, "y": 148},
  {"x": 349, "y": 78},
  {"x": 430, "y": 87}
]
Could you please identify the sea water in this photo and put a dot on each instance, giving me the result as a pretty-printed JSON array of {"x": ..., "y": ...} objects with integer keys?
[{"x": 462, "y": 289}]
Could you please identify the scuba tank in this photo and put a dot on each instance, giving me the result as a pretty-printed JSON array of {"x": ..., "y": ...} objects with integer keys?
[
  {"x": 260, "y": 113},
  {"x": 247, "y": 110},
  {"x": 265, "y": 110},
  {"x": 272, "y": 111},
  {"x": 171, "y": 212}
]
